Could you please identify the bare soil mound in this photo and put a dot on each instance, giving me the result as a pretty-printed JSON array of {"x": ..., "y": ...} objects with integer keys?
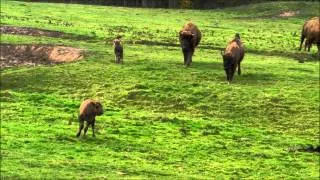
[
  {"x": 29, "y": 31},
  {"x": 16, "y": 55}
]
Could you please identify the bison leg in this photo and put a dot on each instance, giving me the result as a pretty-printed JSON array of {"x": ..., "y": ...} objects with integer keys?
[
  {"x": 232, "y": 71},
  {"x": 185, "y": 57},
  {"x": 227, "y": 73},
  {"x": 301, "y": 41},
  {"x": 81, "y": 125},
  {"x": 239, "y": 69},
  {"x": 121, "y": 57},
  {"x": 306, "y": 44},
  {"x": 86, "y": 129},
  {"x": 189, "y": 59},
  {"x": 118, "y": 59},
  {"x": 310, "y": 44},
  {"x": 92, "y": 126},
  {"x": 191, "y": 54}
]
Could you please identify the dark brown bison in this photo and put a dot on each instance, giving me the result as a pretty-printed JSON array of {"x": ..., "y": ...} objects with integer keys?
[
  {"x": 118, "y": 51},
  {"x": 232, "y": 57},
  {"x": 189, "y": 37},
  {"x": 89, "y": 109},
  {"x": 311, "y": 32}
]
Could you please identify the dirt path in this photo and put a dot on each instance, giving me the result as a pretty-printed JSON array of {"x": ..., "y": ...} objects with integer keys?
[{"x": 29, "y": 31}]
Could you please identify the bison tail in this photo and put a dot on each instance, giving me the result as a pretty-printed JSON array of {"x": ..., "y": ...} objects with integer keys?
[{"x": 301, "y": 41}]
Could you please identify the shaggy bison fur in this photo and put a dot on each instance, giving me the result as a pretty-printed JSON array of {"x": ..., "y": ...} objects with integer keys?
[
  {"x": 89, "y": 109},
  {"x": 311, "y": 32},
  {"x": 189, "y": 37},
  {"x": 232, "y": 57},
  {"x": 118, "y": 51}
]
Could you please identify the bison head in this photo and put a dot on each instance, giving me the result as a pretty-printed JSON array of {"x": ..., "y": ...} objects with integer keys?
[
  {"x": 228, "y": 64},
  {"x": 116, "y": 42},
  {"x": 98, "y": 110},
  {"x": 186, "y": 40}
]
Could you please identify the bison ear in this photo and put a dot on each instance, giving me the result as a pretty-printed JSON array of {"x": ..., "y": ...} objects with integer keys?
[
  {"x": 98, "y": 104},
  {"x": 93, "y": 106},
  {"x": 180, "y": 33}
]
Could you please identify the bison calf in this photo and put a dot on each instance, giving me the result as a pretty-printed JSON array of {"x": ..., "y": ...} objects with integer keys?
[
  {"x": 89, "y": 109},
  {"x": 311, "y": 32},
  {"x": 118, "y": 51},
  {"x": 232, "y": 57},
  {"x": 189, "y": 38}
]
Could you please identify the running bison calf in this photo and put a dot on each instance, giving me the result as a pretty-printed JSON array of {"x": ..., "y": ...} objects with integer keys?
[
  {"x": 118, "y": 51},
  {"x": 232, "y": 57},
  {"x": 311, "y": 32},
  {"x": 89, "y": 109},
  {"x": 189, "y": 37}
]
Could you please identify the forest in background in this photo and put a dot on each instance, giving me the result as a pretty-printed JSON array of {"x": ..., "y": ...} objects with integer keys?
[{"x": 192, "y": 4}]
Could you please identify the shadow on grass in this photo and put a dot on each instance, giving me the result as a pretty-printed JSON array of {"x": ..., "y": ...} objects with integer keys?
[
  {"x": 294, "y": 55},
  {"x": 249, "y": 78},
  {"x": 113, "y": 143},
  {"x": 257, "y": 78},
  {"x": 207, "y": 66},
  {"x": 298, "y": 55}
]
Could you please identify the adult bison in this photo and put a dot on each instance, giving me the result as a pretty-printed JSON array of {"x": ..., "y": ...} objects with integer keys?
[
  {"x": 88, "y": 111},
  {"x": 189, "y": 37},
  {"x": 311, "y": 32},
  {"x": 232, "y": 57}
]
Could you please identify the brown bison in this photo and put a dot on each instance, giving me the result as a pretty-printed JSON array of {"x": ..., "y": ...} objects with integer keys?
[
  {"x": 89, "y": 109},
  {"x": 311, "y": 32},
  {"x": 189, "y": 37},
  {"x": 118, "y": 51},
  {"x": 232, "y": 57}
]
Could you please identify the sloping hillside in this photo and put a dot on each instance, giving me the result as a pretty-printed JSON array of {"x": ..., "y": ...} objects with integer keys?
[{"x": 161, "y": 120}]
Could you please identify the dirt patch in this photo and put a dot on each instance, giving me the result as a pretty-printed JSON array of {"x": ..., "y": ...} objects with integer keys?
[
  {"x": 40, "y": 32},
  {"x": 16, "y": 55},
  {"x": 289, "y": 13},
  {"x": 29, "y": 31}
]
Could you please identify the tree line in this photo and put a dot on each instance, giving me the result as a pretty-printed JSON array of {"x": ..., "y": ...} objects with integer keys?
[{"x": 195, "y": 4}]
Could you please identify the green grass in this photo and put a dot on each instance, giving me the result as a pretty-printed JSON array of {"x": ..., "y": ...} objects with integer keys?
[{"x": 162, "y": 120}]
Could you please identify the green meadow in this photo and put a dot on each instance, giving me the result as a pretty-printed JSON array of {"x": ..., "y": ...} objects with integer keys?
[{"x": 162, "y": 120}]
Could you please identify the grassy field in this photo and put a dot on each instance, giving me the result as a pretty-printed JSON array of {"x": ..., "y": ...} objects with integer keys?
[{"x": 162, "y": 120}]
